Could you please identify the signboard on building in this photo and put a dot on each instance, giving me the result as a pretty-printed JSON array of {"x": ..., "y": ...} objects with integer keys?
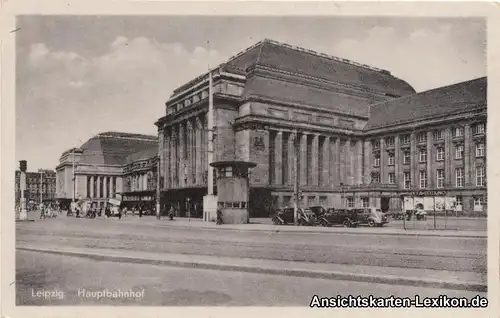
[{"x": 429, "y": 203}]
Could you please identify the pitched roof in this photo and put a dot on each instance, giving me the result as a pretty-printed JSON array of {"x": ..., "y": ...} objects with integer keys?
[
  {"x": 313, "y": 64},
  {"x": 143, "y": 154},
  {"x": 441, "y": 101},
  {"x": 113, "y": 148}
]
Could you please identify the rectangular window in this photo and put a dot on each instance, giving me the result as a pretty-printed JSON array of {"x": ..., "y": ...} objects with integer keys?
[
  {"x": 459, "y": 177},
  {"x": 459, "y": 151},
  {"x": 366, "y": 202},
  {"x": 405, "y": 139},
  {"x": 480, "y": 150},
  {"x": 375, "y": 177},
  {"x": 407, "y": 180},
  {"x": 376, "y": 144},
  {"x": 423, "y": 179},
  {"x": 422, "y": 137},
  {"x": 458, "y": 132},
  {"x": 350, "y": 202},
  {"x": 391, "y": 159},
  {"x": 440, "y": 178},
  {"x": 439, "y": 153},
  {"x": 480, "y": 177},
  {"x": 479, "y": 129},
  {"x": 422, "y": 155},
  {"x": 438, "y": 134},
  {"x": 376, "y": 160},
  {"x": 478, "y": 203},
  {"x": 406, "y": 156},
  {"x": 460, "y": 200},
  {"x": 390, "y": 141},
  {"x": 392, "y": 178}
]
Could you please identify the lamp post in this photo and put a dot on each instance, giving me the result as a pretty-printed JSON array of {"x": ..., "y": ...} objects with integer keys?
[{"x": 158, "y": 188}]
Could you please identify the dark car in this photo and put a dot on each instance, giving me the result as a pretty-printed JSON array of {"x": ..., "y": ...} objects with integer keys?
[
  {"x": 347, "y": 218},
  {"x": 371, "y": 216},
  {"x": 286, "y": 216},
  {"x": 318, "y": 210}
]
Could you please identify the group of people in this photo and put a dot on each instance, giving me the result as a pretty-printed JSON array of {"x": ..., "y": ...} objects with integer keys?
[{"x": 48, "y": 211}]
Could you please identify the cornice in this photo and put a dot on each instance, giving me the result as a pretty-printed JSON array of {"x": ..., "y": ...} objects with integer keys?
[
  {"x": 355, "y": 90},
  {"x": 300, "y": 106},
  {"x": 420, "y": 123}
]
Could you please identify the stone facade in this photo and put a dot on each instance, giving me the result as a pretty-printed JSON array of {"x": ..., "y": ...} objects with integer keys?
[
  {"x": 110, "y": 165},
  {"x": 40, "y": 185},
  {"x": 346, "y": 154}
]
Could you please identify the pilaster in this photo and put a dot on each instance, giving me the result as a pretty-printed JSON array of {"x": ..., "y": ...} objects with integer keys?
[
  {"x": 430, "y": 161},
  {"x": 325, "y": 180},
  {"x": 467, "y": 156},
  {"x": 303, "y": 159},
  {"x": 314, "y": 159},
  {"x": 198, "y": 149},
  {"x": 278, "y": 160}
]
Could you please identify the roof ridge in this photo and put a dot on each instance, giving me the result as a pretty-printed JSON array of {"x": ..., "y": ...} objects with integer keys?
[
  {"x": 428, "y": 91},
  {"x": 328, "y": 56}
]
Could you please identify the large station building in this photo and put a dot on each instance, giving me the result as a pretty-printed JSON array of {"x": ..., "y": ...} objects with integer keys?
[
  {"x": 110, "y": 165},
  {"x": 362, "y": 137}
]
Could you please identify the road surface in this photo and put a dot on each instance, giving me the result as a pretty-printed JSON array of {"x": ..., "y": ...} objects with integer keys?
[
  {"x": 169, "y": 286},
  {"x": 439, "y": 253}
]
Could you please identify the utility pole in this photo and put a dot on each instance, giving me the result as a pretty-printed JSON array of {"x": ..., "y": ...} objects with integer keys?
[
  {"x": 210, "y": 135},
  {"x": 296, "y": 181},
  {"x": 41, "y": 186},
  {"x": 158, "y": 193},
  {"x": 74, "y": 179}
]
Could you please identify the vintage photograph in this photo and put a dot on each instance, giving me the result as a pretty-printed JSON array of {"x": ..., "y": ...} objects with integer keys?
[{"x": 232, "y": 160}]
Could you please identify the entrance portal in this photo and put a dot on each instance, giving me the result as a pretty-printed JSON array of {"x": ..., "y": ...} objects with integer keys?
[{"x": 384, "y": 203}]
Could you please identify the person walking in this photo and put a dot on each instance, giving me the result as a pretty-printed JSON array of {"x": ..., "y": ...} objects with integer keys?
[{"x": 219, "y": 217}]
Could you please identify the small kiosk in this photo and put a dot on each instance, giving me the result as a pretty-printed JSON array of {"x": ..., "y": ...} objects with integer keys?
[{"x": 233, "y": 190}]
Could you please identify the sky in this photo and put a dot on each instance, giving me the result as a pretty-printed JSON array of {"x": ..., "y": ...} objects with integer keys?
[{"x": 77, "y": 76}]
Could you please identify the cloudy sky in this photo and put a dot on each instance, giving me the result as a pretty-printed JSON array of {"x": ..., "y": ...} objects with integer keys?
[{"x": 78, "y": 76}]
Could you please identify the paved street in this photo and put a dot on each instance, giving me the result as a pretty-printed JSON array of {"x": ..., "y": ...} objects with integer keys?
[
  {"x": 170, "y": 286},
  {"x": 424, "y": 257}
]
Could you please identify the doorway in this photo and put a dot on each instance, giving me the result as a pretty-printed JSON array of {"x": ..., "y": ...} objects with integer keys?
[{"x": 384, "y": 204}]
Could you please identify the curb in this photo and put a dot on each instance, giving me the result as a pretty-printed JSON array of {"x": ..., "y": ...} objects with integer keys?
[
  {"x": 380, "y": 279},
  {"x": 332, "y": 232}
]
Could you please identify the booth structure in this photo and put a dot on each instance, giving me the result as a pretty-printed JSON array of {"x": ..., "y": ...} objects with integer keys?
[{"x": 233, "y": 190}]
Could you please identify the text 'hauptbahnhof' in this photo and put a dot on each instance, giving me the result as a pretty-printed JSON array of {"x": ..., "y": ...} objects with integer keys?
[{"x": 358, "y": 136}]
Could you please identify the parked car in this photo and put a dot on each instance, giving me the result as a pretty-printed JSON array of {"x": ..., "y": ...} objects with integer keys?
[
  {"x": 318, "y": 210},
  {"x": 371, "y": 216},
  {"x": 347, "y": 218},
  {"x": 286, "y": 216}
]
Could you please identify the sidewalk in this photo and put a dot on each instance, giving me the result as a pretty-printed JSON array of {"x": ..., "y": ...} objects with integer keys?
[
  {"x": 198, "y": 223},
  {"x": 373, "y": 274}
]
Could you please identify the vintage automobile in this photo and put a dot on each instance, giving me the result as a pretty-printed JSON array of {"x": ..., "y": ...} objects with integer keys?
[
  {"x": 347, "y": 218},
  {"x": 371, "y": 216},
  {"x": 285, "y": 216}
]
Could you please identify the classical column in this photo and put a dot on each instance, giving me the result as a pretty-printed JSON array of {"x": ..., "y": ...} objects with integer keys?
[
  {"x": 98, "y": 186},
  {"x": 198, "y": 148},
  {"x": 430, "y": 160},
  {"x": 447, "y": 157},
  {"x": 338, "y": 164},
  {"x": 173, "y": 157},
  {"x": 291, "y": 158},
  {"x": 166, "y": 161},
  {"x": 314, "y": 159},
  {"x": 189, "y": 152},
  {"x": 469, "y": 181},
  {"x": 105, "y": 187},
  {"x": 91, "y": 187},
  {"x": 303, "y": 159},
  {"x": 367, "y": 162},
  {"x": 278, "y": 160},
  {"x": 359, "y": 162},
  {"x": 383, "y": 161},
  {"x": 326, "y": 162}
]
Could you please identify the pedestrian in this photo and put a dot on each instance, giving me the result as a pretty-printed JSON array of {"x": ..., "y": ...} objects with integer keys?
[
  {"x": 171, "y": 213},
  {"x": 219, "y": 217},
  {"x": 124, "y": 212},
  {"x": 140, "y": 211}
]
